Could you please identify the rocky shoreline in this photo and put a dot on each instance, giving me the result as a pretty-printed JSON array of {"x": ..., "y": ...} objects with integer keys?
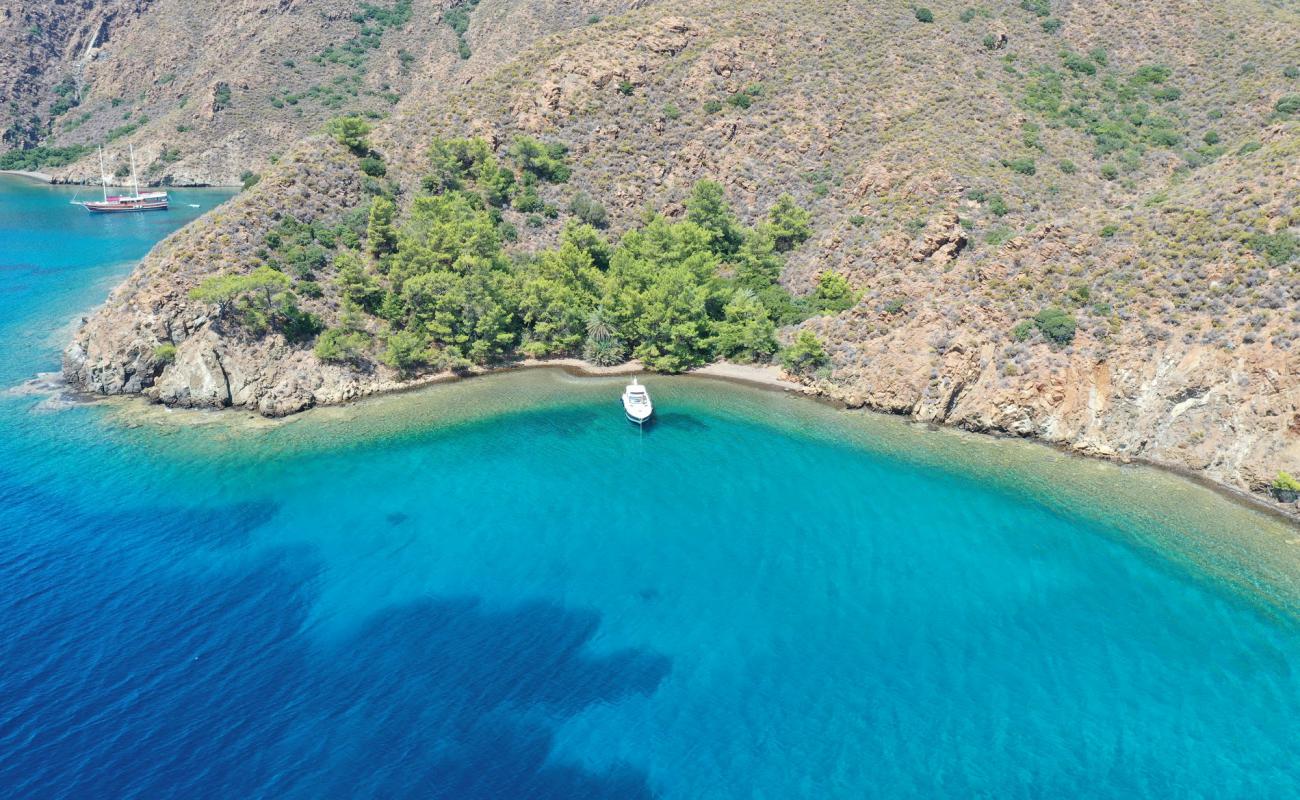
[{"x": 772, "y": 378}]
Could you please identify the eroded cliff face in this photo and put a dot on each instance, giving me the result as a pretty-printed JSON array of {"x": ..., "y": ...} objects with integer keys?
[{"x": 1234, "y": 417}]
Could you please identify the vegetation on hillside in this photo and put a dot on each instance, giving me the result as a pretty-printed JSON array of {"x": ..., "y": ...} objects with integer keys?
[
  {"x": 457, "y": 18},
  {"x": 437, "y": 288},
  {"x": 37, "y": 157}
]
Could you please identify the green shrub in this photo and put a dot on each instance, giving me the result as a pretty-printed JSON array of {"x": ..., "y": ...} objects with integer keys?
[
  {"x": 341, "y": 345},
  {"x": 805, "y": 355},
  {"x": 1029, "y": 134},
  {"x": 1291, "y": 72},
  {"x": 309, "y": 288},
  {"x": 1024, "y": 166},
  {"x": 1151, "y": 74},
  {"x": 220, "y": 97},
  {"x": 374, "y": 167},
  {"x": 924, "y": 15},
  {"x": 304, "y": 260},
  {"x": 672, "y": 112},
  {"x": 1056, "y": 324},
  {"x": 405, "y": 351},
  {"x": 1211, "y": 138},
  {"x": 1277, "y": 248},
  {"x": 1023, "y": 330},
  {"x": 527, "y": 200},
  {"x": 1051, "y": 25},
  {"x": 585, "y": 208},
  {"x": 998, "y": 206},
  {"x": 1109, "y": 231},
  {"x": 249, "y": 179},
  {"x": 351, "y": 132},
  {"x": 257, "y": 300},
  {"x": 998, "y": 235},
  {"x": 1248, "y": 148},
  {"x": 625, "y": 87},
  {"x": 712, "y": 106},
  {"x": 788, "y": 223},
  {"x": 740, "y": 100},
  {"x": 1041, "y": 8},
  {"x": 833, "y": 293},
  {"x": 745, "y": 333},
  {"x": 857, "y": 220},
  {"x": 894, "y": 306},
  {"x": 381, "y": 238},
  {"x": 62, "y": 106},
  {"x": 1067, "y": 166},
  {"x": 1288, "y": 105},
  {"x": 165, "y": 353},
  {"x": 707, "y": 207},
  {"x": 1109, "y": 171},
  {"x": 1285, "y": 482},
  {"x": 457, "y": 18},
  {"x": 543, "y": 161},
  {"x": 1077, "y": 63}
]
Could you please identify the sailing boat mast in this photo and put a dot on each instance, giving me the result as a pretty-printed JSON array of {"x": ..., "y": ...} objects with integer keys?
[
  {"x": 135, "y": 182},
  {"x": 103, "y": 176}
]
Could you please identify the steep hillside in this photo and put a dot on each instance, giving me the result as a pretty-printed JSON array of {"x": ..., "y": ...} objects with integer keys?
[
  {"x": 211, "y": 92},
  {"x": 1076, "y": 221}
]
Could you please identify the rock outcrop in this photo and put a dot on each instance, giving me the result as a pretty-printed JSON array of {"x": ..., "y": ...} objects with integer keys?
[{"x": 124, "y": 347}]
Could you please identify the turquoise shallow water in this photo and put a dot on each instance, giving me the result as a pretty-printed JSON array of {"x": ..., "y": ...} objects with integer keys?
[{"x": 499, "y": 589}]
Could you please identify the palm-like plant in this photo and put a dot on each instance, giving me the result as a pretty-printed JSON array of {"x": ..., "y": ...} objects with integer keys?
[
  {"x": 599, "y": 327},
  {"x": 604, "y": 352}
]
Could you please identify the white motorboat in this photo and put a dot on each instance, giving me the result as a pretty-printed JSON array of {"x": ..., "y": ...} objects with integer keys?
[{"x": 636, "y": 403}]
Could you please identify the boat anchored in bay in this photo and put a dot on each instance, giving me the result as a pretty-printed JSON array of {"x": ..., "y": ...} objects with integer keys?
[
  {"x": 636, "y": 403},
  {"x": 148, "y": 201}
]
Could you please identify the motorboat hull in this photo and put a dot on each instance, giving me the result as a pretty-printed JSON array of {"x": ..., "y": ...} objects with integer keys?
[
  {"x": 636, "y": 403},
  {"x": 639, "y": 420}
]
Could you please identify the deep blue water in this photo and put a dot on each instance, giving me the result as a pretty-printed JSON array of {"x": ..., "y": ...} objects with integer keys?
[{"x": 499, "y": 590}]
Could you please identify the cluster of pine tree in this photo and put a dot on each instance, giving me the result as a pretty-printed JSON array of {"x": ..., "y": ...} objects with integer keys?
[{"x": 675, "y": 294}]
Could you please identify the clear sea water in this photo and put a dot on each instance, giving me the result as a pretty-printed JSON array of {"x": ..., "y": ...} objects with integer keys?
[{"x": 499, "y": 589}]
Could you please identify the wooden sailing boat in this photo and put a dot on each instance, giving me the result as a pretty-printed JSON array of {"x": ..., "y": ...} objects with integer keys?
[{"x": 149, "y": 201}]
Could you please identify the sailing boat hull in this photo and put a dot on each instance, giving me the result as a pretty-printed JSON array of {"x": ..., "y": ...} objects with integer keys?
[
  {"x": 121, "y": 208},
  {"x": 125, "y": 203}
]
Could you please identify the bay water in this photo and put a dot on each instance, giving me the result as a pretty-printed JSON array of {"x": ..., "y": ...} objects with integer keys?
[{"x": 498, "y": 588}]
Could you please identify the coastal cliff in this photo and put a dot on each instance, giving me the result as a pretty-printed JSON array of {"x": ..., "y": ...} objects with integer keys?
[{"x": 1057, "y": 222}]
